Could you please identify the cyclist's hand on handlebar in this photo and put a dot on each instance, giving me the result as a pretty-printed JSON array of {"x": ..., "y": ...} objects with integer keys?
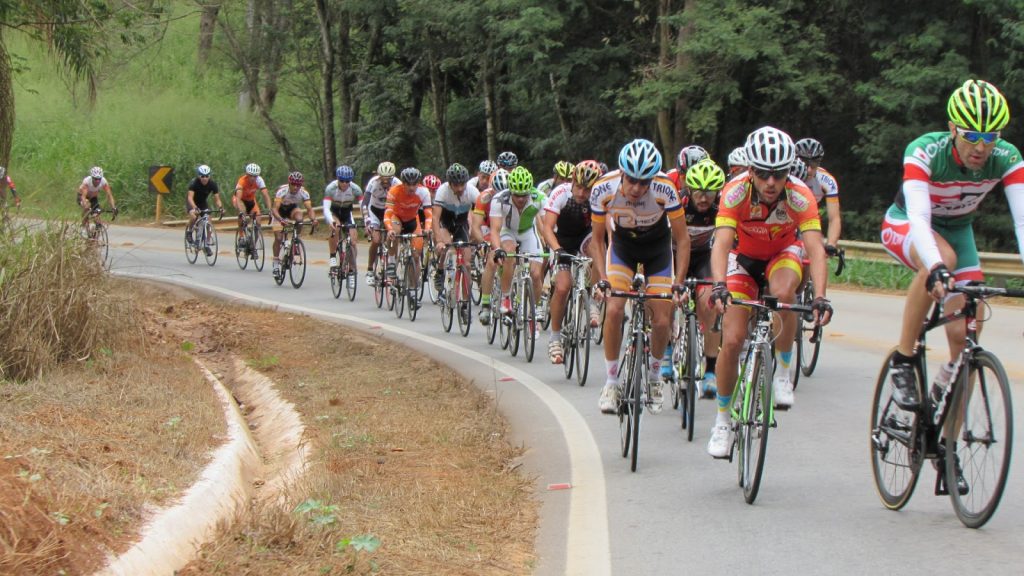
[
  {"x": 822, "y": 309},
  {"x": 601, "y": 290},
  {"x": 720, "y": 297},
  {"x": 831, "y": 250},
  {"x": 499, "y": 255},
  {"x": 939, "y": 281},
  {"x": 680, "y": 295}
]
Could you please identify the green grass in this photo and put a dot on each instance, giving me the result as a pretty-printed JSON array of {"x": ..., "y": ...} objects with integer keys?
[{"x": 893, "y": 276}]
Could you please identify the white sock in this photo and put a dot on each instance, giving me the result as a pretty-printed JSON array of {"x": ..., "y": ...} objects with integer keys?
[{"x": 612, "y": 373}]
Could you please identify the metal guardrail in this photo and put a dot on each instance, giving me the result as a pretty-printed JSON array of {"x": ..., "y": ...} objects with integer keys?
[{"x": 1001, "y": 266}]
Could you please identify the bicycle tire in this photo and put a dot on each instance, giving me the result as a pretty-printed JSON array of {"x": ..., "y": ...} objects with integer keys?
[
  {"x": 411, "y": 293},
  {"x": 582, "y": 337},
  {"x": 476, "y": 287},
  {"x": 103, "y": 244},
  {"x": 757, "y": 414},
  {"x": 798, "y": 350},
  {"x": 568, "y": 336},
  {"x": 211, "y": 244},
  {"x": 689, "y": 400},
  {"x": 493, "y": 318},
  {"x": 514, "y": 332},
  {"x": 400, "y": 285},
  {"x": 378, "y": 281},
  {"x": 639, "y": 387},
  {"x": 895, "y": 475},
  {"x": 297, "y": 264},
  {"x": 351, "y": 273},
  {"x": 241, "y": 252},
  {"x": 464, "y": 299},
  {"x": 259, "y": 253},
  {"x": 985, "y": 388},
  {"x": 625, "y": 401},
  {"x": 545, "y": 303},
  {"x": 447, "y": 306},
  {"x": 602, "y": 308},
  {"x": 285, "y": 263},
  {"x": 808, "y": 363},
  {"x": 428, "y": 280},
  {"x": 191, "y": 250},
  {"x": 530, "y": 322}
]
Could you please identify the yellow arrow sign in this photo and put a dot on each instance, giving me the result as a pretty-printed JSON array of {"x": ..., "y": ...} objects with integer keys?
[{"x": 160, "y": 178}]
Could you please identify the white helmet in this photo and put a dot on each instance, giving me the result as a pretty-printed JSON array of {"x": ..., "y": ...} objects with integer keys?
[
  {"x": 738, "y": 157},
  {"x": 769, "y": 148},
  {"x": 203, "y": 170},
  {"x": 799, "y": 169},
  {"x": 488, "y": 167},
  {"x": 386, "y": 169},
  {"x": 96, "y": 172},
  {"x": 252, "y": 169},
  {"x": 500, "y": 181}
]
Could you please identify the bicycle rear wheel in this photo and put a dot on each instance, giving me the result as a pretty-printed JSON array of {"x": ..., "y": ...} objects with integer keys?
[
  {"x": 897, "y": 443},
  {"x": 241, "y": 251},
  {"x": 756, "y": 422},
  {"x": 530, "y": 321},
  {"x": 256, "y": 246},
  {"x": 463, "y": 299},
  {"x": 297, "y": 269},
  {"x": 428, "y": 277},
  {"x": 351, "y": 275},
  {"x": 286, "y": 263},
  {"x": 983, "y": 439},
  {"x": 336, "y": 275},
  {"x": 191, "y": 248},
  {"x": 476, "y": 277},
  {"x": 211, "y": 244},
  {"x": 602, "y": 310},
  {"x": 582, "y": 336}
]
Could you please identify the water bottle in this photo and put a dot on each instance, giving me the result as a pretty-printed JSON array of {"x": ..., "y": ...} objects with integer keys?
[{"x": 942, "y": 381}]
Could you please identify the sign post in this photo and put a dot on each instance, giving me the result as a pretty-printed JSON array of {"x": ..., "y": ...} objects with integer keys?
[{"x": 161, "y": 178}]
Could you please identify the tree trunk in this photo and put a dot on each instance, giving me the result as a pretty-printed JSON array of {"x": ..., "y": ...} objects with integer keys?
[
  {"x": 207, "y": 25},
  {"x": 664, "y": 117},
  {"x": 487, "y": 70},
  {"x": 563, "y": 120},
  {"x": 346, "y": 77},
  {"x": 247, "y": 58},
  {"x": 682, "y": 106},
  {"x": 6, "y": 105},
  {"x": 276, "y": 26},
  {"x": 439, "y": 96},
  {"x": 327, "y": 90}
]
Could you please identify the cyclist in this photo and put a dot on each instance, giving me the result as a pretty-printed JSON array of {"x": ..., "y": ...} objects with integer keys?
[
  {"x": 454, "y": 201},
  {"x": 244, "y": 198},
  {"x": 513, "y": 218},
  {"x": 482, "y": 180},
  {"x": 822, "y": 185},
  {"x": 507, "y": 160},
  {"x": 199, "y": 191},
  {"x": 481, "y": 232},
  {"x": 928, "y": 228},
  {"x": 373, "y": 207},
  {"x": 688, "y": 156},
  {"x": 760, "y": 214},
  {"x": 561, "y": 174},
  {"x": 637, "y": 201},
  {"x": 88, "y": 193},
  {"x": 339, "y": 198},
  {"x": 737, "y": 162},
  {"x": 401, "y": 214},
  {"x": 7, "y": 184},
  {"x": 289, "y": 201},
  {"x": 432, "y": 183},
  {"x": 566, "y": 229}
]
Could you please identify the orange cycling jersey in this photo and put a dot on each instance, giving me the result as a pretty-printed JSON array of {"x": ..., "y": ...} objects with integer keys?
[
  {"x": 764, "y": 231},
  {"x": 249, "y": 185},
  {"x": 404, "y": 205}
]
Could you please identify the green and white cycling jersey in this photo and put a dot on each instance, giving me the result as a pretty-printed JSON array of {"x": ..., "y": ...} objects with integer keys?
[
  {"x": 514, "y": 220},
  {"x": 937, "y": 186}
]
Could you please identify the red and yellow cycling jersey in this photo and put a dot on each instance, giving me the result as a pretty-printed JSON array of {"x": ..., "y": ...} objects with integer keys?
[
  {"x": 250, "y": 185},
  {"x": 764, "y": 231},
  {"x": 404, "y": 205}
]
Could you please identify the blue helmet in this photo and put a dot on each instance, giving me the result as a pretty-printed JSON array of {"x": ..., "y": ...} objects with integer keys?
[
  {"x": 640, "y": 159},
  {"x": 344, "y": 174}
]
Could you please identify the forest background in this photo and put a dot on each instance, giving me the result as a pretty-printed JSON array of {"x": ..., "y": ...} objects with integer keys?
[{"x": 310, "y": 84}]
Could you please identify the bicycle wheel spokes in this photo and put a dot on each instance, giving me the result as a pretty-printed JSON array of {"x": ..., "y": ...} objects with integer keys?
[
  {"x": 530, "y": 322},
  {"x": 241, "y": 251},
  {"x": 582, "y": 337},
  {"x": 758, "y": 424},
  {"x": 351, "y": 274},
  {"x": 211, "y": 244},
  {"x": 297, "y": 270},
  {"x": 626, "y": 385},
  {"x": 258, "y": 253},
  {"x": 983, "y": 440},
  {"x": 191, "y": 251},
  {"x": 400, "y": 286},
  {"x": 640, "y": 387},
  {"x": 689, "y": 374},
  {"x": 463, "y": 299},
  {"x": 897, "y": 449}
]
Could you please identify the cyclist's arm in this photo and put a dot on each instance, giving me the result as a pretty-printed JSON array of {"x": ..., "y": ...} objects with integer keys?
[
  {"x": 191, "y": 199},
  {"x": 495, "y": 238},
  {"x": 815, "y": 247},
  {"x": 328, "y": 217},
  {"x": 599, "y": 246},
  {"x": 434, "y": 220},
  {"x": 1015, "y": 196},
  {"x": 110, "y": 197},
  {"x": 919, "y": 213},
  {"x": 724, "y": 238},
  {"x": 266, "y": 196},
  {"x": 309, "y": 210},
  {"x": 216, "y": 196},
  {"x": 548, "y": 229},
  {"x": 275, "y": 209},
  {"x": 835, "y": 220},
  {"x": 681, "y": 244}
]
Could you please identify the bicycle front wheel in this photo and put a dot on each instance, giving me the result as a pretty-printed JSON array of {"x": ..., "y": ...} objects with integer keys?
[
  {"x": 297, "y": 269},
  {"x": 636, "y": 402},
  {"x": 756, "y": 422},
  {"x": 689, "y": 374},
  {"x": 401, "y": 288},
  {"x": 463, "y": 299},
  {"x": 602, "y": 308},
  {"x": 351, "y": 275},
  {"x": 256, "y": 247},
  {"x": 625, "y": 410},
  {"x": 211, "y": 244},
  {"x": 530, "y": 321},
  {"x": 568, "y": 335},
  {"x": 447, "y": 305},
  {"x": 241, "y": 251},
  {"x": 982, "y": 414},
  {"x": 191, "y": 248},
  {"x": 103, "y": 245},
  {"x": 378, "y": 282},
  {"x": 411, "y": 298},
  {"x": 582, "y": 337},
  {"x": 810, "y": 339},
  {"x": 897, "y": 443},
  {"x": 336, "y": 276},
  {"x": 516, "y": 318}
]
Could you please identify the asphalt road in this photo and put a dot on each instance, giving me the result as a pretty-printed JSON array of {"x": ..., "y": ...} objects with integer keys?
[{"x": 681, "y": 511}]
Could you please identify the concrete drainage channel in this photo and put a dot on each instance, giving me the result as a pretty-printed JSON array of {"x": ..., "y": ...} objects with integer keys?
[{"x": 264, "y": 451}]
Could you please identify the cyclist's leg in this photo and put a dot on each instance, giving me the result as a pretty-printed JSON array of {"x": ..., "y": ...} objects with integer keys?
[
  {"x": 784, "y": 273},
  {"x": 967, "y": 269},
  {"x": 508, "y": 244},
  {"x": 620, "y": 269},
  {"x": 563, "y": 284}
]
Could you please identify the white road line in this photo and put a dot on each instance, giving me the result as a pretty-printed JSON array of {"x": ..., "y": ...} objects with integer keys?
[{"x": 587, "y": 548}]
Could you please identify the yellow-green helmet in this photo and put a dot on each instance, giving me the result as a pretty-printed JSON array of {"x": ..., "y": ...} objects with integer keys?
[
  {"x": 520, "y": 181},
  {"x": 563, "y": 169},
  {"x": 705, "y": 175},
  {"x": 978, "y": 106}
]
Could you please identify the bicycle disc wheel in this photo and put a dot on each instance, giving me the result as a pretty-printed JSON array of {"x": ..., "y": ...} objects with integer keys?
[
  {"x": 582, "y": 337},
  {"x": 463, "y": 299},
  {"x": 757, "y": 419},
  {"x": 983, "y": 442},
  {"x": 897, "y": 443},
  {"x": 529, "y": 321},
  {"x": 689, "y": 376},
  {"x": 297, "y": 270},
  {"x": 259, "y": 255},
  {"x": 351, "y": 275},
  {"x": 241, "y": 252},
  {"x": 411, "y": 293},
  {"x": 191, "y": 251},
  {"x": 211, "y": 244}
]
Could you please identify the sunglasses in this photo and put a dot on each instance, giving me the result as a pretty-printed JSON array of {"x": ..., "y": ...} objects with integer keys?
[
  {"x": 702, "y": 192},
  {"x": 972, "y": 137},
  {"x": 778, "y": 174},
  {"x": 812, "y": 162},
  {"x": 634, "y": 181}
]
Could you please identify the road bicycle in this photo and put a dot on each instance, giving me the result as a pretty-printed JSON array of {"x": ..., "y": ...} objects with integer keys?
[
  {"x": 345, "y": 273},
  {"x": 808, "y": 334},
  {"x": 430, "y": 267},
  {"x": 456, "y": 298},
  {"x": 687, "y": 357},
  {"x": 753, "y": 409},
  {"x": 293, "y": 254},
  {"x": 404, "y": 287},
  {"x": 249, "y": 243},
  {"x": 95, "y": 232},
  {"x": 965, "y": 426},
  {"x": 480, "y": 255},
  {"x": 382, "y": 282},
  {"x": 204, "y": 238},
  {"x": 520, "y": 324},
  {"x": 634, "y": 382},
  {"x": 576, "y": 330}
]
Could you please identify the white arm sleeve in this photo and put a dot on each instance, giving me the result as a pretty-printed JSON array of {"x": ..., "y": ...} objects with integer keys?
[
  {"x": 919, "y": 212},
  {"x": 1015, "y": 196},
  {"x": 327, "y": 211}
]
